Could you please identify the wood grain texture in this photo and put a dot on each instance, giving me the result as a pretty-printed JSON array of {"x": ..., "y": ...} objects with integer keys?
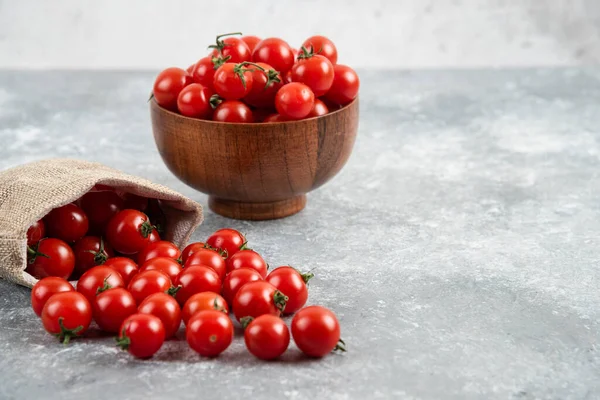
[{"x": 255, "y": 171}]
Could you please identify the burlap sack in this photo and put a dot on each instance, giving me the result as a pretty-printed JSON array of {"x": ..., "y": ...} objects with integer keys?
[{"x": 29, "y": 192}]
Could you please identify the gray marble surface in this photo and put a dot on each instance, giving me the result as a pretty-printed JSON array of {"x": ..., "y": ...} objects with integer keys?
[{"x": 459, "y": 246}]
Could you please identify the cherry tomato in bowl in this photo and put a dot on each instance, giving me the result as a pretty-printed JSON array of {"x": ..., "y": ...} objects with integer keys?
[
  {"x": 233, "y": 49},
  {"x": 345, "y": 85},
  {"x": 233, "y": 111},
  {"x": 251, "y": 41},
  {"x": 233, "y": 81},
  {"x": 194, "y": 101},
  {"x": 314, "y": 71},
  {"x": 294, "y": 100},
  {"x": 275, "y": 52},
  {"x": 167, "y": 86},
  {"x": 322, "y": 46}
]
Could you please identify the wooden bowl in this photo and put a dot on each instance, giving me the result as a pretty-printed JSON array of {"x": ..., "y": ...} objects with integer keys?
[{"x": 255, "y": 171}]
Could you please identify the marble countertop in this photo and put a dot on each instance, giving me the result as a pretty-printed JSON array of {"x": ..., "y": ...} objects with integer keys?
[{"x": 459, "y": 246}]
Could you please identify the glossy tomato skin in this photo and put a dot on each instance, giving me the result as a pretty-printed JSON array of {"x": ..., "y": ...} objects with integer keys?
[
  {"x": 319, "y": 108},
  {"x": 227, "y": 239},
  {"x": 60, "y": 260},
  {"x": 142, "y": 335},
  {"x": 191, "y": 249},
  {"x": 68, "y": 223},
  {"x": 100, "y": 207},
  {"x": 267, "y": 337},
  {"x": 167, "y": 86},
  {"x": 129, "y": 231},
  {"x": 294, "y": 100},
  {"x": 112, "y": 307},
  {"x": 236, "y": 49},
  {"x": 322, "y": 46},
  {"x": 146, "y": 283},
  {"x": 261, "y": 94},
  {"x": 196, "y": 279},
  {"x": 247, "y": 259},
  {"x": 258, "y": 298},
  {"x": 126, "y": 267},
  {"x": 229, "y": 85},
  {"x": 345, "y": 85},
  {"x": 275, "y": 118},
  {"x": 275, "y": 52},
  {"x": 204, "y": 72},
  {"x": 166, "y": 308},
  {"x": 292, "y": 283},
  {"x": 203, "y": 301},
  {"x": 36, "y": 232},
  {"x": 72, "y": 310},
  {"x": 166, "y": 265},
  {"x": 316, "y": 331},
  {"x": 235, "y": 280},
  {"x": 90, "y": 251},
  {"x": 316, "y": 72},
  {"x": 152, "y": 238},
  {"x": 251, "y": 41},
  {"x": 209, "y": 332},
  {"x": 96, "y": 278},
  {"x": 46, "y": 288},
  {"x": 194, "y": 101},
  {"x": 161, "y": 248},
  {"x": 233, "y": 111},
  {"x": 208, "y": 258}
]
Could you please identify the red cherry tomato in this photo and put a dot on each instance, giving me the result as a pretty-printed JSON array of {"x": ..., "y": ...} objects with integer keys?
[
  {"x": 135, "y": 202},
  {"x": 166, "y": 265},
  {"x": 209, "y": 333},
  {"x": 235, "y": 280},
  {"x": 112, "y": 307},
  {"x": 208, "y": 258},
  {"x": 190, "y": 69},
  {"x": 233, "y": 111},
  {"x": 164, "y": 307},
  {"x": 90, "y": 251},
  {"x": 196, "y": 279},
  {"x": 235, "y": 48},
  {"x": 318, "y": 109},
  {"x": 204, "y": 70},
  {"x": 36, "y": 232},
  {"x": 275, "y": 118},
  {"x": 288, "y": 77},
  {"x": 167, "y": 86},
  {"x": 275, "y": 52},
  {"x": 345, "y": 85},
  {"x": 203, "y": 301},
  {"x": 247, "y": 259},
  {"x": 293, "y": 284},
  {"x": 267, "y": 337},
  {"x": 258, "y": 298},
  {"x": 322, "y": 46},
  {"x": 294, "y": 100},
  {"x": 191, "y": 249},
  {"x": 153, "y": 237},
  {"x": 142, "y": 335},
  {"x": 227, "y": 239},
  {"x": 68, "y": 223},
  {"x": 316, "y": 331},
  {"x": 126, "y": 267},
  {"x": 44, "y": 289},
  {"x": 66, "y": 315},
  {"x": 100, "y": 207},
  {"x": 194, "y": 101},
  {"x": 232, "y": 81},
  {"x": 98, "y": 279},
  {"x": 146, "y": 283},
  {"x": 161, "y": 248},
  {"x": 261, "y": 113},
  {"x": 265, "y": 85},
  {"x": 316, "y": 72},
  {"x": 251, "y": 41},
  {"x": 52, "y": 257},
  {"x": 129, "y": 231}
]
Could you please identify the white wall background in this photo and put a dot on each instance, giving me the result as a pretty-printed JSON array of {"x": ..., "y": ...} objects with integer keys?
[{"x": 373, "y": 33}]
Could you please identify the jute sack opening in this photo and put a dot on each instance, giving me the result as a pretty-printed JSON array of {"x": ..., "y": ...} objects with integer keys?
[{"x": 29, "y": 192}]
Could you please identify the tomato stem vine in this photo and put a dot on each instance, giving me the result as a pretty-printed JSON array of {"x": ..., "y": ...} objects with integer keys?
[{"x": 66, "y": 334}]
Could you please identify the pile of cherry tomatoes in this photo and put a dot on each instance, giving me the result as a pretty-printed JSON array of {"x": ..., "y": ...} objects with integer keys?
[
  {"x": 141, "y": 288},
  {"x": 247, "y": 79}
]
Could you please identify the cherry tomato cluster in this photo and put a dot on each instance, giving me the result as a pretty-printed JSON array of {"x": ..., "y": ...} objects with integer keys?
[
  {"x": 144, "y": 302},
  {"x": 247, "y": 79}
]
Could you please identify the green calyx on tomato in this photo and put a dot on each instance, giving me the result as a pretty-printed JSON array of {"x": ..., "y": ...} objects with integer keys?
[
  {"x": 215, "y": 100},
  {"x": 219, "y": 44},
  {"x": 172, "y": 291},
  {"x": 33, "y": 253},
  {"x": 101, "y": 255},
  {"x": 123, "y": 341},
  {"x": 146, "y": 228},
  {"x": 217, "y": 307},
  {"x": 305, "y": 53},
  {"x": 105, "y": 286},
  {"x": 66, "y": 334},
  {"x": 280, "y": 300},
  {"x": 271, "y": 75},
  {"x": 245, "y": 321},
  {"x": 218, "y": 61},
  {"x": 340, "y": 346}
]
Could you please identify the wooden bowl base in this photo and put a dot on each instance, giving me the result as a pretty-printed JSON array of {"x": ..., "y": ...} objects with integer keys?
[{"x": 257, "y": 211}]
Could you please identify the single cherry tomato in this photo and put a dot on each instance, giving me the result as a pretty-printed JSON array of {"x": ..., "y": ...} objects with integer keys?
[
  {"x": 129, "y": 231},
  {"x": 44, "y": 289},
  {"x": 196, "y": 279},
  {"x": 194, "y": 101},
  {"x": 90, "y": 251},
  {"x": 247, "y": 259},
  {"x": 267, "y": 337},
  {"x": 233, "y": 111},
  {"x": 235, "y": 48},
  {"x": 208, "y": 258},
  {"x": 97, "y": 280},
  {"x": 314, "y": 71},
  {"x": 203, "y": 301},
  {"x": 322, "y": 46},
  {"x": 204, "y": 70},
  {"x": 166, "y": 265},
  {"x": 142, "y": 335},
  {"x": 68, "y": 223},
  {"x": 209, "y": 332},
  {"x": 258, "y": 298},
  {"x": 265, "y": 85},
  {"x": 126, "y": 267},
  {"x": 161, "y": 248},
  {"x": 167, "y": 86},
  {"x": 294, "y": 100},
  {"x": 235, "y": 280},
  {"x": 191, "y": 249},
  {"x": 112, "y": 307},
  {"x": 51, "y": 257},
  {"x": 135, "y": 202},
  {"x": 318, "y": 109},
  {"x": 36, "y": 232},
  {"x": 227, "y": 239},
  {"x": 251, "y": 41},
  {"x": 275, "y": 118},
  {"x": 232, "y": 81},
  {"x": 345, "y": 85},
  {"x": 316, "y": 331},
  {"x": 166, "y": 308},
  {"x": 100, "y": 207},
  {"x": 66, "y": 315},
  {"x": 293, "y": 284},
  {"x": 146, "y": 283},
  {"x": 275, "y": 52}
]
